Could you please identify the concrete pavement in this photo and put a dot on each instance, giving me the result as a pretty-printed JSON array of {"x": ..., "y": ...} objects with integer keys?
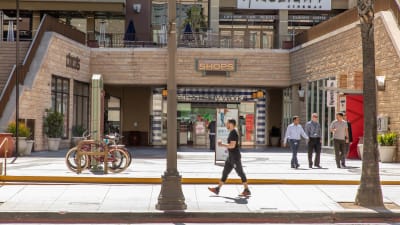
[{"x": 135, "y": 203}]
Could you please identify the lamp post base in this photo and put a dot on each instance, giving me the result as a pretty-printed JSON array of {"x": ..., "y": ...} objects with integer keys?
[{"x": 171, "y": 195}]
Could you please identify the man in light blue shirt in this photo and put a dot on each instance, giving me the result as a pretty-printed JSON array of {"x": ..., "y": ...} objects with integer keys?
[{"x": 294, "y": 132}]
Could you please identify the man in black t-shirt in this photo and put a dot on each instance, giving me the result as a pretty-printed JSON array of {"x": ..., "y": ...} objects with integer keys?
[{"x": 233, "y": 161}]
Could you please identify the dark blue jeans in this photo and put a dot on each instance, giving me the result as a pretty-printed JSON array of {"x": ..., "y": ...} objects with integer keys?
[{"x": 294, "y": 146}]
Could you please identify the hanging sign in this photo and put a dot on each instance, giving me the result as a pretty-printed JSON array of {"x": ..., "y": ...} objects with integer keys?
[{"x": 331, "y": 95}]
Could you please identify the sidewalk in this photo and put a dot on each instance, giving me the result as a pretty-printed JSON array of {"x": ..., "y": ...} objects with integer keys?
[
  {"x": 268, "y": 165},
  {"x": 130, "y": 202},
  {"x": 136, "y": 204}
]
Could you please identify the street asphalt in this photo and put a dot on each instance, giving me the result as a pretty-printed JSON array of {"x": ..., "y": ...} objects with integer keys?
[{"x": 292, "y": 200}]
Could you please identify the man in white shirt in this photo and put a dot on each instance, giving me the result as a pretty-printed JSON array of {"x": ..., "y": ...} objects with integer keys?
[
  {"x": 340, "y": 132},
  {"x": 293, "y": 135}
]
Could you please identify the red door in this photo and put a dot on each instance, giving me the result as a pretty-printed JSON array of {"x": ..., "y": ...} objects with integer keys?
[{"x": 355, "y": 115}]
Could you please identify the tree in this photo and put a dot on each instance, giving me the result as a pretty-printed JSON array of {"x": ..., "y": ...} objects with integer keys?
[{"x": 369, "y": 192}]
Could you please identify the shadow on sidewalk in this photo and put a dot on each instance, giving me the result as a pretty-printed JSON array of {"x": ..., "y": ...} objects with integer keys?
[{"x": 237, "y": 200}]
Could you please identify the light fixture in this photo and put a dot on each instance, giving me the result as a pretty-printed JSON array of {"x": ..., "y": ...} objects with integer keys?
[
  {"x": 257, "y": 94},
  {"x": 164, "y": 93},
  {"x": 380, "y": 82},
  {"x": 137, "y": 8}
]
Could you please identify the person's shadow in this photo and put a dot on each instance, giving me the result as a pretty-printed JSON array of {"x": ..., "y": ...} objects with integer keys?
[{"x": 237, "y": 200}]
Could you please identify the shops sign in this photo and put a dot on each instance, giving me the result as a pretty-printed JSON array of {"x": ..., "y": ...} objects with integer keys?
[
  {"x": 73, "y": 62},
  {"x": 216, "y": 66},
  {"x": 285, "y": 4}
]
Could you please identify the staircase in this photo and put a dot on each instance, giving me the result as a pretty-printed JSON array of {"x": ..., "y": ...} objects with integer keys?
[{"x": 7, "y": 59}]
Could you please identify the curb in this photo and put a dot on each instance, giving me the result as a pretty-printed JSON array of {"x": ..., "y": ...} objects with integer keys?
[
  {"x": 201, "y": 217},
  {"x": 126, "y": 180}
]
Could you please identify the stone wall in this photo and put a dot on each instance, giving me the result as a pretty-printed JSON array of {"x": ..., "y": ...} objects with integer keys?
[
  {"x": 339, "y": 55},
  {"x": 52, "y": 59}
]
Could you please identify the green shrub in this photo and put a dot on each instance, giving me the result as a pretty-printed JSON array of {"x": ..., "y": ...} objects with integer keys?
[
  {"x": 387, "y": 139},
  {"x": 53, "y": 124},
  {"x": 23, "y": 131},
  {"x": 78, "y": 130}
]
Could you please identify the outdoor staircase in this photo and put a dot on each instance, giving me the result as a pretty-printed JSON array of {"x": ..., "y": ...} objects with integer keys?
[{"x": 7, "y": 59}]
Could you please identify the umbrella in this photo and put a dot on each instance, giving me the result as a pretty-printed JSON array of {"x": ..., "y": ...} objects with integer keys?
[
  {"x": 10, "y": 33},
  {"x": 187, "y": 32},
  {"x": 130, "y": 32}
]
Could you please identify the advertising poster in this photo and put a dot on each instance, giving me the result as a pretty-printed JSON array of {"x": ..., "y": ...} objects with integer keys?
[
  {"x": 221, "y": 153},
  {"x": 249, "y": 126}
]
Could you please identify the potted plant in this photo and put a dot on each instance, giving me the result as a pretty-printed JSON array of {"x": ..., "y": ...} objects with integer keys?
[
  {"x": 275, "y": 136},
  {"x": 387, "y": 146},
  {"x": 53, "y": 128},
  {"x": 23, "y": 133},
  {"x": 77, "y": 134}
]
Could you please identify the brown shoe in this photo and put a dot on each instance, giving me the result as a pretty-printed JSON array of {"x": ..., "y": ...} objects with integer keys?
[
  {"x": 214, "y": 190},
  {"x": 246, "y": 192}
]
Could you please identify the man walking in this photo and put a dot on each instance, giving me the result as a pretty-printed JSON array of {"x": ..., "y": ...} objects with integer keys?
[
  {"x": 340, "y": 139},
  {"x": 313, "y": 131},
  {"x": 294, "y": 132},
  {"x": 233, "y": 160},
  {"x": 350, "y": 137}
]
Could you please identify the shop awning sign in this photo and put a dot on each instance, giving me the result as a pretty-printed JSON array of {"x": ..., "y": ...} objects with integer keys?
[
  {"x": 216, "y": 66},
  {"x": 285, "y": 4}
]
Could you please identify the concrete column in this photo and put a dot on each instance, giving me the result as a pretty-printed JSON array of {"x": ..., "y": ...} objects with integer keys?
[
  {"x": 282, "y": 32},
  {"x": 295, "y": 100},
  {"x": 35, "y": 22},
  {"x": 214, "y": 15},
  {"x": 90, "y": 28}
]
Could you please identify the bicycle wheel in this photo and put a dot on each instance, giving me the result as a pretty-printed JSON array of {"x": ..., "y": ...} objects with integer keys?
[
  {"x": 125, "y": 150},
  {"x": 71, "y": 159},
  {"x": 117, "y": 160}
]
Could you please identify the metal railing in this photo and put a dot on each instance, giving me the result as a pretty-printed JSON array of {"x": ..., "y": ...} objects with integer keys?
[
  {"x": 4, "y": 144},
  {"x": 188, "y": 40},
  {"x": 48, "y": 23},
  {"x": 346, "y": 18}
]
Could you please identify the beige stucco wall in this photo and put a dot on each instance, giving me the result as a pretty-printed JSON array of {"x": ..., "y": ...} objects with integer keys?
[
  {"x": 35, "y": 100},
  {"x": 339, "y": 53}
]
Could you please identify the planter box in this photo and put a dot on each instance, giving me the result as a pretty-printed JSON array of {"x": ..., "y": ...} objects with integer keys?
[
  {"x": 54, "y": 143},
  {"x": 386, "y": 153}
]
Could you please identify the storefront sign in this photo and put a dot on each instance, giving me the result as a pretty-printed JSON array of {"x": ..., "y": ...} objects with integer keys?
[
  {"x": 216, "y": 65},
  {"x": 285, "y": 4},
  {"x": 73, "y": 62},
  {"x": 313, "y": 18},
  {"x": 210, "y": 98}
]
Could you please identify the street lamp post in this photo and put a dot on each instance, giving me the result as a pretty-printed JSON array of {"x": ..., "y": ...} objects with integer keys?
[
  {"x": 171, "y": 195},
  {"x": 17, "y": 69}
]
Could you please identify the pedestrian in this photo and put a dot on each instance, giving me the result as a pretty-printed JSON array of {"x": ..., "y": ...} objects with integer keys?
[
  {"x": 340, "y": 139},
  {"x": 350, "y": 136},
  {"x": 233, "y": 161},
  {"x": 211, "y": 129},
  {"x": 293, "y": 135},
  {"x": 313, "y": 131}
]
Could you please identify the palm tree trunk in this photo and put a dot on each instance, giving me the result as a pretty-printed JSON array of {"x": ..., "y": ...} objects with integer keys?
[{"x": 369, "y": 192}]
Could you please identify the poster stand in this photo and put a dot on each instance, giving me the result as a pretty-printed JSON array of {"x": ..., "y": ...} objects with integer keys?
[{"x": 223, "y": 115}]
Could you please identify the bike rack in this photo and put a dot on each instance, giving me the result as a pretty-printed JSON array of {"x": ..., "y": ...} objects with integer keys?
[{"x": 81, "y": 152}]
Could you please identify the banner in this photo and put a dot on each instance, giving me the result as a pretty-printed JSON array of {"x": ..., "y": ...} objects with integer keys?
[
  {"x": 221, "y": 153},
  {"x": 331, "y": 95},
  {"x": 285, "y": 4}
]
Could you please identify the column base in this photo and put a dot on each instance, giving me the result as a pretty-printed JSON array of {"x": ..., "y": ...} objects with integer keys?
[{"x": 171, "y": 195}]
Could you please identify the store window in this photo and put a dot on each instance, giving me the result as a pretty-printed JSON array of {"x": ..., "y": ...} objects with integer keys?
[
  {"x": 81, "y": 104},
  {"x": 60, "y": 99},
  {"x": 113, "y": 124},
  {"x": 316, "y": 102}
]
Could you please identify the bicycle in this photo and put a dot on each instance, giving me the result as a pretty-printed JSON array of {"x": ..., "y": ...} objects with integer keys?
[{"x": 117, "y": 159}]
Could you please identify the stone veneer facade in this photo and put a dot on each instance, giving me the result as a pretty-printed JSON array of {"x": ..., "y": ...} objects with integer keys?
[{"x": 339, "y": 55}]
